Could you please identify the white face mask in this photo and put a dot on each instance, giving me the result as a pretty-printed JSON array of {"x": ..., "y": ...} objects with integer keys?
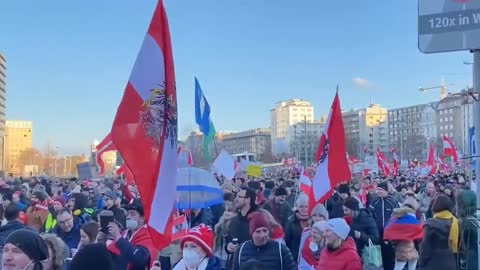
[
  {"x": 132, "y": 224},
  {"x": 191, "y": 258},
  {"x": 313, "y": 247}
]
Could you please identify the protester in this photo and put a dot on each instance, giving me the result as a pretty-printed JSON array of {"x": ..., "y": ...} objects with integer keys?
[
  {"x": 363, "y": 228},
  {"x": 37, "y": 213},
  {"x": 68, "y": 228},
  {"x": 83, "y": 259},
  {"x": 296, "y": 224},
  {"x": 467, "y": 207},
  {"x": 272, "y": 254},
  {"x": 24, "y": 249},
  {"x": 88, "y": 235},
  {"x": 13, "y": 224},
  {"x": 310, "y": 250},
  {"x": 278, "y": 207},
  {"x": 340, "y": 252},
  {"x": 110, "y": 204},
  {"x": 382, "y": 207},
  {"x": 221, "y": 232},
  {"x": 197, "y": 250},
  {"x": 440, "y": 241},
  {"x": 58, "y": 252},
  {"x": 276, "y": 233},
  {"x": 425, "y": 199}
]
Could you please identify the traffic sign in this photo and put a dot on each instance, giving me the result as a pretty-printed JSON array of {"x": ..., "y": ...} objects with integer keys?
[{"x": 448, "y": 25}]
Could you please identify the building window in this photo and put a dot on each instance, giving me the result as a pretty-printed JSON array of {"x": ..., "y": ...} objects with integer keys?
[
  {"x": 441, "y": 112},
  {"x": 441, "y": 120},
  {"x": 451, "y": 118},
  {"x": 451, "y": 126},
  {"x": 441, "y": 127}
]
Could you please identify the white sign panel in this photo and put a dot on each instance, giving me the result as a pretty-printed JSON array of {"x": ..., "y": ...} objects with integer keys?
[
  {"x": 225, "y": 165},
  {"x": 448, "y": 25}
]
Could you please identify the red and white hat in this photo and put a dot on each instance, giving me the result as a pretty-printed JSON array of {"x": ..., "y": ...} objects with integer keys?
[{"x": 201, "y": 235}]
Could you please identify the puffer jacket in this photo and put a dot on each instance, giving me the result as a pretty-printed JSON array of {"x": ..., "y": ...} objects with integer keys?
[
  {"x": 365, "y": 224},
  {"x": 468, "y": 254},
  {"x": 434, "y": 250},
  {"x": 273, "y": 255},
  {"x": 343, "y": 258}
]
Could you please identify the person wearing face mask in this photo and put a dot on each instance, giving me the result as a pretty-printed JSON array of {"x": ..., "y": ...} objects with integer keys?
[
  {"x": 197, "y": 250},
  {"x": 296, "y": 224},
  {"x": 24, "y": 249},
  {"x": 272, "y": 254},
  {"x": 133, "y": 248}
]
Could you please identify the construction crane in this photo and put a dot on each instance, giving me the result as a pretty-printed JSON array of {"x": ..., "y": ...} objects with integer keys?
[{"x": 442, "y": 87}]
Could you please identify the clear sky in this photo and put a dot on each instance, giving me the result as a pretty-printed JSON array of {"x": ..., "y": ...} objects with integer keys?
[{"x": 68, "y": 61}]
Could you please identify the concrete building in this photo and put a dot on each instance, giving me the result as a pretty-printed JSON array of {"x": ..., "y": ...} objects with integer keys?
[
  {"x": 454, "y": 119},
  {"x": 303, "y": 140},
  {"x": 3, "y": 101},
  {"x": 19, "y": 138},
  {"x": 285, "y": 114},
  {"x": 412, "y": 129},
  {"x": 256, "y": 141},
  {"x": 366, "y": 130}
]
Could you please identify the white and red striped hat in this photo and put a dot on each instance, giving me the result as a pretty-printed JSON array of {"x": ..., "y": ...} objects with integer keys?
[{"x": 201, "y": 235}]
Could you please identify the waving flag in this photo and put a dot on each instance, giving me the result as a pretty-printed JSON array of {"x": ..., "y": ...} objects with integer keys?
[
  {"x": 405, "y": 228},
  {"x": 383, "y": 163},
  {"x": 332, "y": 162},
  {"x": 395, "y": 162},
  {"x": 145, "y": 128},
  {"x": 202, "y": 117},
  {"x": 431, "y": 162},
  {"x": 104, "y": 146},
  {"x": 305, "y": 182},
  {"x": 449, "y": 148}
]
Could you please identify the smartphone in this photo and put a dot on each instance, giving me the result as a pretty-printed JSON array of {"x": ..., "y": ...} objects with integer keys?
[{"x": 104, "y": 221}]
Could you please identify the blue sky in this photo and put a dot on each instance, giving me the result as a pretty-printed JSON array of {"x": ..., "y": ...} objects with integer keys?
[{"x": 247, "y": 55}]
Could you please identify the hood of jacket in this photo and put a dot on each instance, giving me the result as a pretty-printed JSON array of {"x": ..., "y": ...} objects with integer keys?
[
  {"x": 402, "y": 211},
  {"x": 467, "y": 204}
]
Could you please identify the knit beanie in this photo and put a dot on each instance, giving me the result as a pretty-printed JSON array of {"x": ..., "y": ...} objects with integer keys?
[
  {"x": 258, "y": 220},
  {"x": 339, "y": 226},
  {"x": 320, "y": 210},
  {"x": 201, "y": 235},
  {"x": 92, "y": 257},
  {"x": 320, "y": 225},
  {"x": 352, "y": 204},
  {"x": 40, "y": 195},
  {"x": 301, "y": 200},
  {"x": 30, "y": 243},
  {"x": 281, "y": 191},
  {"x": 383, "y": 185}
]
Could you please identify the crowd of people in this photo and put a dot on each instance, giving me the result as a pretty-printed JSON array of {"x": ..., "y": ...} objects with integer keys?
[{"x": 377, "y": 222}]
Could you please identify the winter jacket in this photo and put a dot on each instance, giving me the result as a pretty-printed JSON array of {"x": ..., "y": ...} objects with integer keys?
[
  {"x": 7, "y": 229},
  {"x": 204, "y": 217},
  {"x": 213, "y": 263},
  {"x": 435, "y": 252},
  {"x": 119, "y": 215},
  {"x": 273, "y": 255},
  {"x": 239, "y": 228},
  {"x": 382, "y": 209},
  {"x": 293, "y": 235},
  {"x": 135, "y": 253},
  {"x": 335, "y": 206},
  {"x": 281, "y": 213},
  {"x": 365, "y": 224},
  {"x": 468, "y": 254},
  {"x": 424, "y": 201},
  {"x": 37, "y": 215},
  {"x": 343, "y": 258},
  {"x": 71, "y": 238}
]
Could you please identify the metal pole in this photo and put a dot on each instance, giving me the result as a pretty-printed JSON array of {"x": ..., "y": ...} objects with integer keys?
[
  {"x": 305, "y": 142},
  {"x": 476, "y": 114}
]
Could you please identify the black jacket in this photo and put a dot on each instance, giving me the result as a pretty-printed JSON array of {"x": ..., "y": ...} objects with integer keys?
[
  {"x": 273, "y": 256},
  {"x": 382, "y": 209},
  {"x": 365, "y": 224},
  {"x": 335, "y": 206},
  {"x": 8, "y": 228},
  {"x": 119, "y": 216},
  {"x": 238, "y": 228},
  {"x": 281, "y": 213},
  {"x": 293, "y": 235},
  {"x": 434, "y": 250}
]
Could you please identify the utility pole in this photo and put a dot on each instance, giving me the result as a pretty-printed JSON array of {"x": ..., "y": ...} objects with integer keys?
[
  {"x": 476, "y": 117},
  {"x": 305, "y": 142}
]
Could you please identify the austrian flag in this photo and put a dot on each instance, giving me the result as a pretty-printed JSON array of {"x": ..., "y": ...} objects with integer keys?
[
  {"x": 145, "y": 128},
  {"x": 332, "y": 162}
]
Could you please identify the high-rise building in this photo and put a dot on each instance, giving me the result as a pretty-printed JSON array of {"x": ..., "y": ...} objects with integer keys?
[
  {"x": 366, "y": 130},
  {"x": 285, "y": 114},
  {"x": 304, "y": 138},
  {"x": 412, "y": 129},
  {"x": 3, "y": 95},
  {"x": 256, "y": 141},
  {"x": 19, "y": 139}
]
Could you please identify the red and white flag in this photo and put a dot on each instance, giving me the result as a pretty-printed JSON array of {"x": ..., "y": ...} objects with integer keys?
[
  {"x": 382, "y": 163},
  {"x": 449, "y": 148},
  {"x": 145, "y": 128},
  {"x": 332, "y": 162},
  {"x": 104, "y": 146},
  {"x": 431, "y": 162},
  {"x": 395, "y": 162},
  {"x": 305, "y": 182}
]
